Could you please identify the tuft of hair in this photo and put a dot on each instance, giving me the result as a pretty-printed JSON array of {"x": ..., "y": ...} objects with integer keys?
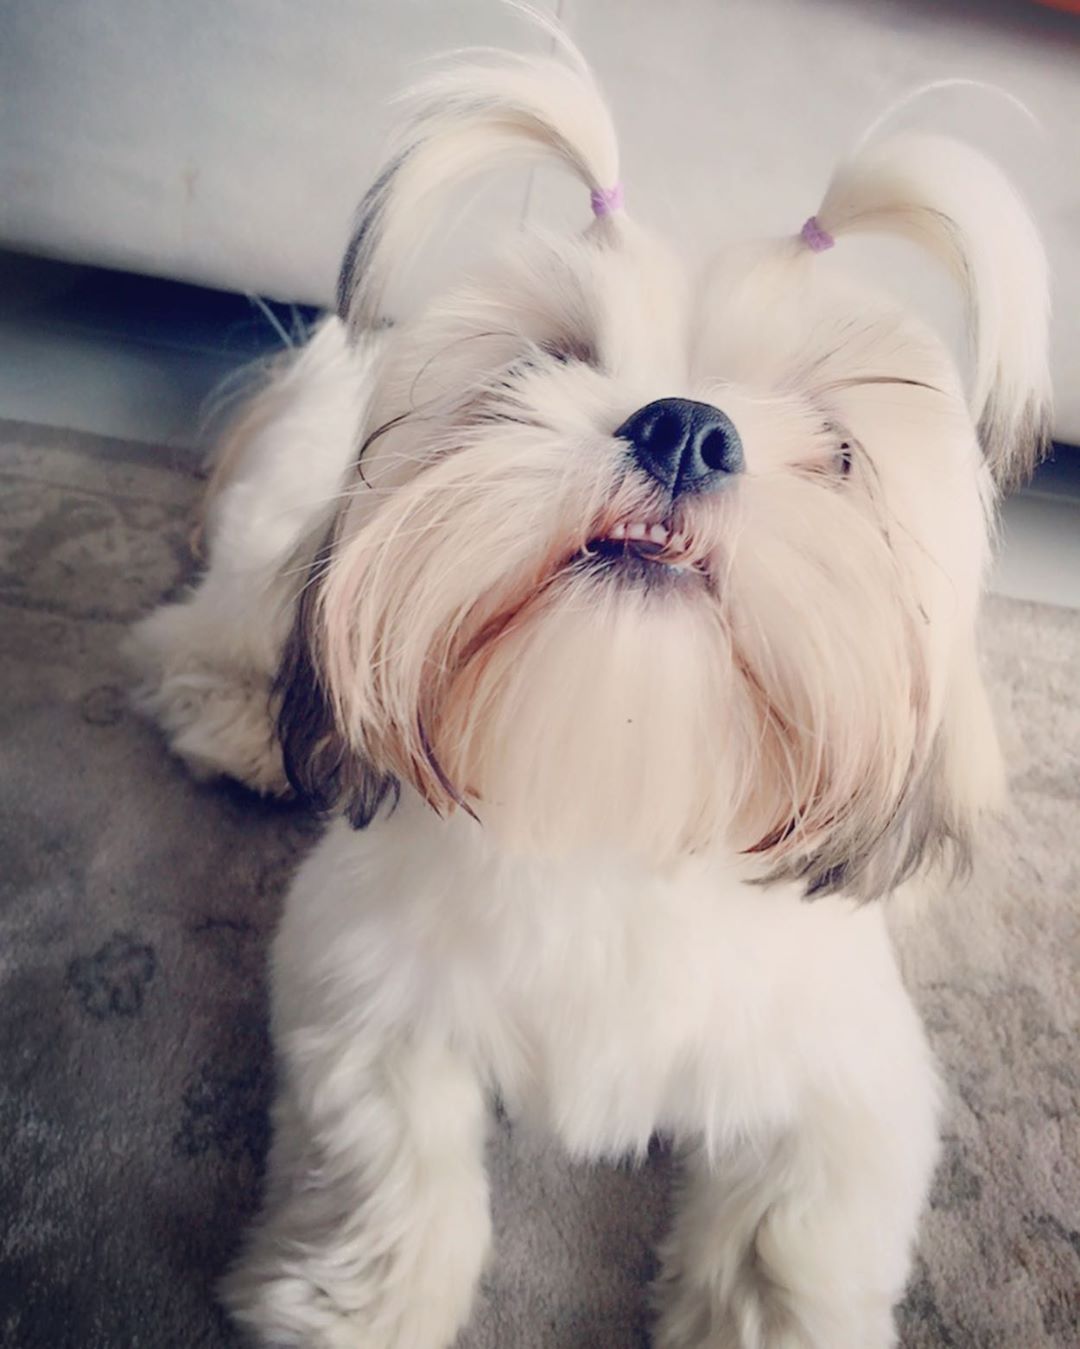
[
  {"x": 323, "y": 769},
  {"x": 486, "y": 111},
  {"x": 951, "y": 200}
]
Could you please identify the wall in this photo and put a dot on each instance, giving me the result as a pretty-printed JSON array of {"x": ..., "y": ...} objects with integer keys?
[{"x": 227, "y": 141}]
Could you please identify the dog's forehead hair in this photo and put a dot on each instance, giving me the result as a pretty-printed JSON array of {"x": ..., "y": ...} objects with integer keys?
[
  {"x": 629, "y": 305},
  {"x": 615, "y": 302}
]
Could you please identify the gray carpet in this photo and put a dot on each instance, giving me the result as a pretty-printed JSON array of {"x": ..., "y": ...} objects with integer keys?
[{"x": 135, "y": 908}]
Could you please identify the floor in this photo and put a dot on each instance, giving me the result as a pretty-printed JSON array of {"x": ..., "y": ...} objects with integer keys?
[{"x": 144, "y": 360}]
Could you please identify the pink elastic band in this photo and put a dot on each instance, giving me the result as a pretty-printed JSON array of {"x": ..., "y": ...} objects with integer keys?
[
  {"x": 815, "y": 238},
  {"x": 606, "y": 200}
]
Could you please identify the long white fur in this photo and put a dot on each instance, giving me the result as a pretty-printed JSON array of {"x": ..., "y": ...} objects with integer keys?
[
  {"x": 465, "y": 120},
  {"x": 953, "y": 201},
  {"x": 615, "y": 940},
  {"x": 208, "y": 664}
]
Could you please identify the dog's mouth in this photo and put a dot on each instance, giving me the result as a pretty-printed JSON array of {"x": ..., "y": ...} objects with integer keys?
[{"x": 638, "y": 548}]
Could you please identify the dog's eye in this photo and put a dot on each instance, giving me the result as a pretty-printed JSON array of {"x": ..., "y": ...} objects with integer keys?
[
  {"x": 842, "y": 454},
  {"x": 838, "y": 463},
  {"x": 566, "y": 350}
]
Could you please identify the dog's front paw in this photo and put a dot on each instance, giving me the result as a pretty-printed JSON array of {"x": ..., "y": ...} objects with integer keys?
[
  {"x": 754, "y": 1313},
  {"x": 688, "y": 1319},
  {"x": 287, "y": 1310},
  {"x": 327, "y": 1304}
]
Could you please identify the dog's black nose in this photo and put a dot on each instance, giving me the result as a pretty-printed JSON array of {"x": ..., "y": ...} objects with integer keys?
[{"x": 686, "y": 446}]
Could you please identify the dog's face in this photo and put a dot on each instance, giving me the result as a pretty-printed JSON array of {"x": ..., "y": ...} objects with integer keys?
[{"x": 663, "y": 562}]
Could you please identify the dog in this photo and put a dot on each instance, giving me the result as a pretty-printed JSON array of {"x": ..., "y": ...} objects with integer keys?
[{"x": 622, "y": 619}]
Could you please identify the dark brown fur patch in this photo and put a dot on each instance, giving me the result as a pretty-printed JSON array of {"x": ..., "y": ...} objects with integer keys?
[
  {"x": 924, "y": 830},
  {"x": 323, "y": 767}
]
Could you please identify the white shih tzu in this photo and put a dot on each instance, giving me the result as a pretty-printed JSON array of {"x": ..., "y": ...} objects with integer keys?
[{"x": 624, "y": 620}]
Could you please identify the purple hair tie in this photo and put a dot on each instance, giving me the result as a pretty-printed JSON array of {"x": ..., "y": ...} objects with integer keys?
[
  {"x": 606, "y": 200},
  {"x": 814, "y": 237}
]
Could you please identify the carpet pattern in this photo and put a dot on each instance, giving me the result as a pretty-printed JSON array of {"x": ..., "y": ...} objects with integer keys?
[{"x": 135, "y": 908}]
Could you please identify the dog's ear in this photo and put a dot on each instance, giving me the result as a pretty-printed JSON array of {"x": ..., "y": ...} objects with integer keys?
[
  {"x": 483, "y": 113},
  {"x": 952, "y": 786},
  {"x": 323, "y": 767},
  {"x": 951, "y": 200}
]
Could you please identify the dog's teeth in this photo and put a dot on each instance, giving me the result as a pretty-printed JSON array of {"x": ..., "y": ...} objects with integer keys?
[
  {"x": 658, "y": 534},
  {"x": 636, "y": 531},
  {"x": 619, "y": 531}
]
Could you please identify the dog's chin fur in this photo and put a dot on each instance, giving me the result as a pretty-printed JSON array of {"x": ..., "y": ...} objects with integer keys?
[{"x": 592, "y": 776}]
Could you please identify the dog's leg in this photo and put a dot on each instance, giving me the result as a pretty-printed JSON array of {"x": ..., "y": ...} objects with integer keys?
[
  {"x": 804, "y": 1242},
  {"x": 376, "y": 1222},
  {"x": 207, "y": 663}
]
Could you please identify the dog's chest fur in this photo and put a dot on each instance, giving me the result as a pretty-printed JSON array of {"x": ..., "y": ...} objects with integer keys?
[{"x": 600, "y": 999}]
